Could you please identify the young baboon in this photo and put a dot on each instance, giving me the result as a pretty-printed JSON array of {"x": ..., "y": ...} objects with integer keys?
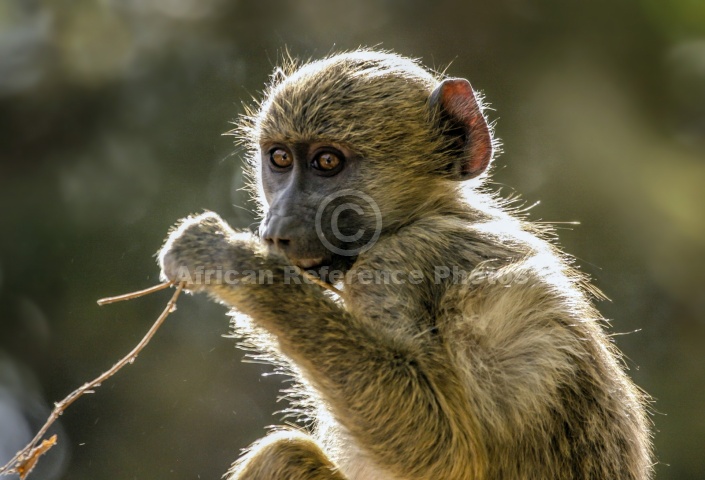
[{"x": 462, "y": 346}]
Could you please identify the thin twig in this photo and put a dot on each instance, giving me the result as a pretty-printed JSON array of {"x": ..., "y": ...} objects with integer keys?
[
  {"x": 131, "y": 295},
  {"x": 320, "y": 282},
  {"x": 25, "y": 459}
]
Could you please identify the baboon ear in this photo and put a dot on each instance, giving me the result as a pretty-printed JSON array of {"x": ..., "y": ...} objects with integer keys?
[{"x": 461, "y": 118}]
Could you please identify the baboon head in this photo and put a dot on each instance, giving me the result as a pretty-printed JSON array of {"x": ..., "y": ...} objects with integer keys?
[{"x": 355, "y": 146}]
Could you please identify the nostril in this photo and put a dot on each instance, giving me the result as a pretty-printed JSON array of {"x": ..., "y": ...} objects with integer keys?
[{"x": 280, "y": 243}]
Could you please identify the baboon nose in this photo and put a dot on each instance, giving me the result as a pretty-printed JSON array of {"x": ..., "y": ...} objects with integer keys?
[
  {"x": 280, "y": 243},
  {"x": 277, "y": 232}
]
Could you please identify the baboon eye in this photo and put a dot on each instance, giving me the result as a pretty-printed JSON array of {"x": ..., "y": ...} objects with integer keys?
[
  {"x": 326, "y": 161},
  {"x": 280, "y": 158}
]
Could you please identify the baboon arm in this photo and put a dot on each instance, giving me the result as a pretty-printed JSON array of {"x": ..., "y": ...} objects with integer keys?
[
  {"x": 380, "y": 392},
  {"x": 383, "y": 387}
]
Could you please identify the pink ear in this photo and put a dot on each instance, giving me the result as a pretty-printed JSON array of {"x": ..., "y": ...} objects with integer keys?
[{"x": 456, "y": 99}]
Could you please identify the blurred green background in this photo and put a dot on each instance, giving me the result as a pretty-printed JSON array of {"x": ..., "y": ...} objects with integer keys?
[{"x": 111, "y": 114}]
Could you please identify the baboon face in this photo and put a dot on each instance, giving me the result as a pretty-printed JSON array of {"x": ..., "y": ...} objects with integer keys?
[
  {"x": 313, "y": 217},
  {"x": 349, "y": 147}
]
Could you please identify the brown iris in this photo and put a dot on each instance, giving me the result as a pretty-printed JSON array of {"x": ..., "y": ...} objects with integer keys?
[
  {"x": 326, "y": 161},
  {"x": 280, "y": 158}
]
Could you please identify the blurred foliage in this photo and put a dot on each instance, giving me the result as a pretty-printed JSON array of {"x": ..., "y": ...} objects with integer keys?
[{"x": 110, "y": 119}]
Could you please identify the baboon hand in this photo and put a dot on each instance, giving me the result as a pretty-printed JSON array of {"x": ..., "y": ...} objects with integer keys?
[{"x": 197, "y": 247}]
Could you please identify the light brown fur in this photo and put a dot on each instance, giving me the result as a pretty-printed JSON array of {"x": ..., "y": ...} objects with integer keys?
[{"x": 508, "y": 375}]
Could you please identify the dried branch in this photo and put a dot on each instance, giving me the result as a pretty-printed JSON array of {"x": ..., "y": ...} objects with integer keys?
[{"x": 24, "y": 461}]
